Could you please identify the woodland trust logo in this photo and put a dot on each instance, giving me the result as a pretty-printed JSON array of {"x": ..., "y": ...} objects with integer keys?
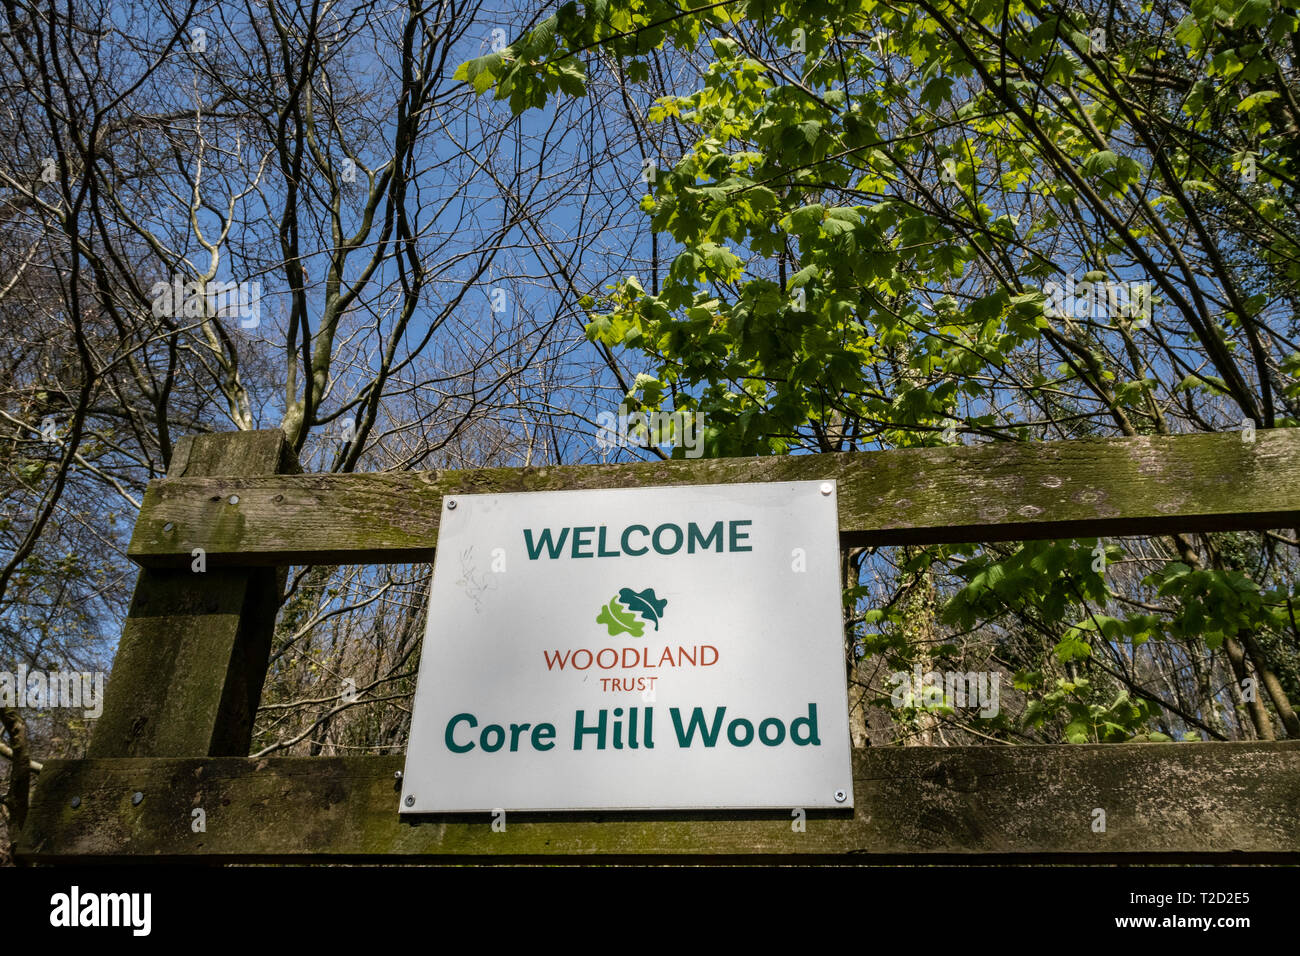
[{"x": 630, "y": 610}]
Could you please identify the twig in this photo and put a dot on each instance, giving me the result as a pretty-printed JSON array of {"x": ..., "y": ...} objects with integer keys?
[{"x": 8, "y": 754}]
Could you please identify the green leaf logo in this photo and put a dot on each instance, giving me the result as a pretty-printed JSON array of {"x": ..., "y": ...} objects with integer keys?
[
  {"x": 644, "y": 603},
  {"x": 630, "y": 610}
]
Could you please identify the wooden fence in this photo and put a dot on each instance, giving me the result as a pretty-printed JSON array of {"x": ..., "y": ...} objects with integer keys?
[{"x": 178, "y": 717}]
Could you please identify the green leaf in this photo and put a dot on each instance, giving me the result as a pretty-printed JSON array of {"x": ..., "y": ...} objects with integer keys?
[
  {"x": 1099, "y": 163},
  {"x": 481, "y": 73},
  {"x": 1071, "y": 648},
  {"x": 646, "y": 603},
  {"x": 617, "y": 620},
  {"x": 807, "y": 219}
]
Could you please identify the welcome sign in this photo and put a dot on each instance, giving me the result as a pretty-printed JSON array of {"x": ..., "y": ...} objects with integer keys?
[{"x": 657, "y": 648}]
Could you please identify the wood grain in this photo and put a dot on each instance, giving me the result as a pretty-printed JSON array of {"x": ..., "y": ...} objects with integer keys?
[
  {"x": 189, "y": 669},
  {"x": 1185, "y": 801},
  {"x": 988, "y": 492}
]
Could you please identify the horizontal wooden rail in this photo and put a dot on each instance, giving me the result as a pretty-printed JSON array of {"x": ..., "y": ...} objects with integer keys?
[
  {"x": 987, "y": 492},
  {"x": 1185, "y": 801}
]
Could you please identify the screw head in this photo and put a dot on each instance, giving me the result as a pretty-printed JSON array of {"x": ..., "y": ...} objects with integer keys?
[
  {"x": 233, "y": 499},
  {"x": 451, "y": 505},
  {"x": 840, "y": 796},
  {"x": 74, "y": 802},
  {"x": 397, "y": 775},
  {"x": 410, "y": 801},
  {"x": 827, "y": 488},
  {"x": 137, "y": 798}
]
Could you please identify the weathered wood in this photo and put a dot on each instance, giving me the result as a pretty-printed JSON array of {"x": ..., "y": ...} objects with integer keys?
[
  {"x": 194, "y": 649},
  {"x": 1177, "y": 801},
  {"x": 988, "y": 492},
  {"x": 193, "y": 656}
]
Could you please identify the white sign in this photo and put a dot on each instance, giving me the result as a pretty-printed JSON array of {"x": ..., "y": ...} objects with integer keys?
[{"x": 656, "y": 648}]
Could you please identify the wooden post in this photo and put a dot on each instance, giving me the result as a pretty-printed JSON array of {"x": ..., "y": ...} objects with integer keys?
[{"x": 195, "y": 645}]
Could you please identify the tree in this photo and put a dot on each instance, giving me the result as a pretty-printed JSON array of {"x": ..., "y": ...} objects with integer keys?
[{"x": 1008, "y": 222}]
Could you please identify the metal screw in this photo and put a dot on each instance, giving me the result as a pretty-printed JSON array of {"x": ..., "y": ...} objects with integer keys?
[
  {"x": 397, "y": 775},
  {"x": 410, "y": 801},
  {"x": 234, "y": 499},
  {"x": 451, "y": 505},
  {"x": 827, "y": 487},
  {"x": 840, "y": 796},
  {"x": 136, "y": 798},
  {"x": 76, "y": 802}
]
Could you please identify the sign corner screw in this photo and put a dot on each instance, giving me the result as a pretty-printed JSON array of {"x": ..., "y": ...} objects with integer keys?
[
  {"x": 397, "y": 775},
  {"x": 840, "y": 796},
  {"x": 410, "y": 801},
  {"x": 451, "y": 504},
  {"x": 827, "y": 487}
]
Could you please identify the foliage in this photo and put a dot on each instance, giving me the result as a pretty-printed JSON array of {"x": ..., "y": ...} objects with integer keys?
[{"x": 871, "y": 224}]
